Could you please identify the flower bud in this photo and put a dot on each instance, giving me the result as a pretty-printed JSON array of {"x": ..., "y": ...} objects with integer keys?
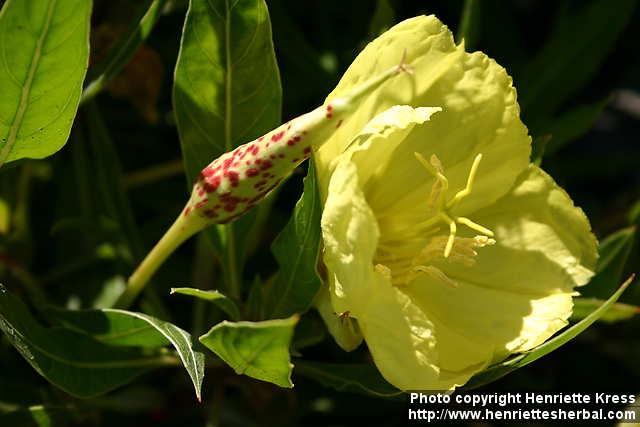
[{"x": 237, "y": 180}]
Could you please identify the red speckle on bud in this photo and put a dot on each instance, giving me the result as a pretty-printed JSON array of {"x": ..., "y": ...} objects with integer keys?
[
  {"x": 266, "y": 164},
  {"x": 277, "y": 136},
  {"x": 329, "y": 111},
  {"x": 252, "y": 172}
]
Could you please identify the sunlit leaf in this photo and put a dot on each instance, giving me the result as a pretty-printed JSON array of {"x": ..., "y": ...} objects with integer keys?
[
  {"x": 127, "y": 328},
  {"x": 216, "y": 297},
  {"x": 226, "y": 92},
  {"x": 227, "y": 86},
  {"x": 257, "y": 349},
  {"x": 44, "y": 46},
  {"x": 71, "y": 361}
]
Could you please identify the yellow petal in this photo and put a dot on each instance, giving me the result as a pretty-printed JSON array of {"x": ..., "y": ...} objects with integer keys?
[
  {"x": 405, "y": 343},
  {"x": 519, "y": 291},
  {"x": 342, "y": 326},
  {"x": 350, "y": 235},
  {"x": 480, "y": 115}
]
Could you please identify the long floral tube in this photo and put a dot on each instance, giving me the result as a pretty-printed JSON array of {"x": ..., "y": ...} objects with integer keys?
[{"x": 237, "y": 180}]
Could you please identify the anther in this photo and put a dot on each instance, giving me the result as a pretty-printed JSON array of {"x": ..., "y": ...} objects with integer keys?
[{"x": 474, "y": 226}]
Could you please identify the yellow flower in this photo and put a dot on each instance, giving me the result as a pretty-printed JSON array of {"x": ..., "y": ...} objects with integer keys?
[{"x": 445, "y": 249}]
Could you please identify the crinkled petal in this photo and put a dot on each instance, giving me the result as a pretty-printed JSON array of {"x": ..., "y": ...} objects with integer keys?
[
  {"x": 519, "y": 291},
  {"x": 480, "y": 115},
  {"x": 350, "y": 235},
  {"x": 405, "y": 343}
]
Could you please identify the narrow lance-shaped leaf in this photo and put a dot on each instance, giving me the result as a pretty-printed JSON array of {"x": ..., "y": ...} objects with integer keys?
[
  {"x": 571, "y": 58},
  {"x": 38, "y": 416},
  {"x": 498, "y": 371},
  {"x": 73, "y": 362},
  {"x": 582, "y": 307},
  {"x": 127, "y": 328},
  {"x": 614, "y": 251},
  {"x": 124, "y": 50},
  {"x": 218, "y": 298},
  {"x": 257, "y": 349},
  {"x": 296, "y": 249},
  {"x": 44, "y": 47}
]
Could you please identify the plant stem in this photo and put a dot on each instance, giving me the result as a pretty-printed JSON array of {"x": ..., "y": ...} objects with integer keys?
[
  {"x": 154, "y": 173},
  {"x": 184, "y": 227},
  {"x": 233, "y": 281}
]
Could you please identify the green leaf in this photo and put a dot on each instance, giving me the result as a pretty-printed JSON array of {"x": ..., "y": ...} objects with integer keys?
[
  {"x": 226, "y": 92},
  {"x": 498, "y": 371},
  {"x": 614, "y": 252},
  {"x": 582, "y": 307},
  {"x": 71, "y": 361},
  {"x": 36, "y": 416},
  {"x": 383, "y": 18},
  {"x": 573, "y": 124},
  {"x": 218, "y": 298},
  {"x": 361, "y": 378},
  {"x": 539, "y": 148},
  {"x": 309, "y": 331},
  {"x": 469, "y": 26},
  {"x": 127, "y": 328},
  {"x": 227, "y": 85},
  {"x": 573, "y": 55},
  {"x": 297, "y": 249},
  {"x": 44, "y": 45},
  {"x": 634, "y": 213},
  {"x": 257, "y": 349},
  {"x": 124, "y": 50}
]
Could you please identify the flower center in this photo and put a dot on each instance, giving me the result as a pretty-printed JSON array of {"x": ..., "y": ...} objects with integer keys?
[{"x": 443, "y": 208}]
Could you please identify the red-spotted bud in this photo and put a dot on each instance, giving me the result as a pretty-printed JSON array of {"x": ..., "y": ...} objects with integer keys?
[{"x": 237, "y": 180}]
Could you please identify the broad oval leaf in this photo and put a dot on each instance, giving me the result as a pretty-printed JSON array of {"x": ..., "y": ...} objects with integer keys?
[
  {"x": 74, "y": 362},
  {"x": 297, "y": 249},
  {"x": 44, "y": 47},
  {"x": 257, "y": 349},
  {"x": 127, "y": 328},
  {"x": 218, "y": 298},
  {"x": 227, "y": 85},
  {"x": 499, "y": 370}
]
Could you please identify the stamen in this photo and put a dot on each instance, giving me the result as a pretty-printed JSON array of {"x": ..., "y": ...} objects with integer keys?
[
  {"x": 474, "y": 226},
  {"x": 436, "y": 273},
  {"x": 437, "y": 200},
  {"x": 452, "y": 233},
  {"x": 467, "y": 190}
]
